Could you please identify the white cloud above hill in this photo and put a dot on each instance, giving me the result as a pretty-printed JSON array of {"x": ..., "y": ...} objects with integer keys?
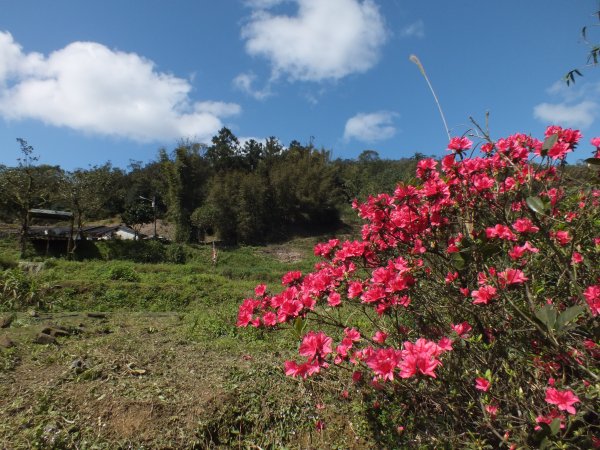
[
  {"x": 370, "y": 127},
  {"x": 88, "y": 87}
]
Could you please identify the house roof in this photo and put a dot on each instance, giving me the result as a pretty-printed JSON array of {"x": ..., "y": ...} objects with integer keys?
[
  {"x": 90, "y": 232},
  {"x": 51, "y": 213}
]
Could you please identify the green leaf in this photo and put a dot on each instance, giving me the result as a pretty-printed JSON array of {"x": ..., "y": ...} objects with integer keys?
[
  {"x": 489, "y": 249},
  {"x": 458, "y": 261},
  {"x": 568, "y": 78},
  {"x": 594, "y": 55},
  {"x": 593, "y": 161},
  {"x": 568, "y": 315},
  {"x": 555, "y": 427},
  {"x": 299, "y": 325},
  {"x": 549, "y": 142},
  {"x": 536, "y": 204},
  {"x": 547, "y": 315}
]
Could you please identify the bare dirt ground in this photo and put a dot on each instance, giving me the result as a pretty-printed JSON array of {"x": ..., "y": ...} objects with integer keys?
[
  {"x": 163, "y": 229},
  {"x": 283, "y": 253}
]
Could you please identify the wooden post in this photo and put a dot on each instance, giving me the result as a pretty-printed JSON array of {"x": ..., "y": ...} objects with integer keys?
[{"x": 70, "y": 240}]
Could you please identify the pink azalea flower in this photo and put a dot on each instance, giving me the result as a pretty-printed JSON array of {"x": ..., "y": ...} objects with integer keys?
[
  {"x": 459, "y": 144},
  {"x": 303, "y": 370},
  {"x": 374, "y": 294},
  {"x": 315, "y": 345},
  {"x": 354, "y": 289},
  {"x": 270, "y": 319},
  {"x": 246, "y": 310},
  {"x": 445, "y": 344},
  {"x": 288, "y": 310},
  {"x": 334, "y": 299},
  {"x": 492, "y": 410},
  {"x": 424, "y": 166},
  {"x": 462, "y": 329},
  {"x": 570, "y": 216},
  {"x": 420, "y": 357},
  {"x": 352, "y": 334},
  {"x": 260, "y": 290},
  {"x": 290, "y": 277},
  {"x": 563, "y": 399},
  {"x": 482, "y": 384},
  {"x": 380, "y": 337},
  {"x": 501, "y": 232},
  {"x": 576, "y": 258},
  {"x": 451, "y": 277},
  {"x": 554, "y": 195},
  {"x": 487, "y": 147},
  {"x": 518, "y": 251},
  {"x": 483, "y": 295},
  {"x": 511, "y": 276},
  {"x": 554, "y": 414},
  {"x": 383, "y": 362},
  {"x": 356, "y": 376},
  {"x": 592, "y": 296},
  {"x": 524, "y": 226},
  {"x": 559, "y": 150},
  {"x": 562, "y": 237}
]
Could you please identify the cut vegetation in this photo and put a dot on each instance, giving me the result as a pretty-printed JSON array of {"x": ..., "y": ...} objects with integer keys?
[{"x": 129, "y": 355}]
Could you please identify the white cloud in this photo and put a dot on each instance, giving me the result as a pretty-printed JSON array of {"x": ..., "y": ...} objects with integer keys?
[
  {"x": 245, "y": 139},
  {"x": 221, "y": 109},
  {"x": 245, "y": 83},
  {"x": 91, "y": 88},
  {"x": 579, "y": 115},
  {"x": 377, "y": 126},
  {"x": 416, "y": 29},
  {"x": 262, "y": 4},
  {"x": 324, "y": 40},
  {"x": 578, "y": 106}
]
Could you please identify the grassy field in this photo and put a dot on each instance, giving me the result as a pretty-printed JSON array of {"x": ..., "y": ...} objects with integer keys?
[{"x": 148, "y": 356}]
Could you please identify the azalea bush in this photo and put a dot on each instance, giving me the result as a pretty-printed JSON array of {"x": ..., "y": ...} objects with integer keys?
[{"x": 467, "y": 312}]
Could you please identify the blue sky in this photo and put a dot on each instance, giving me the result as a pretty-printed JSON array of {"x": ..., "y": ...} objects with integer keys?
[{"x": 86, "y": 82}]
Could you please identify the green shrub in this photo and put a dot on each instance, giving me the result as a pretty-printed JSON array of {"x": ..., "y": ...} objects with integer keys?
[
  {"x": 150, "y": 251},
  {"x": 7, "y": 263},
  {"x": 123, "y": 273},
  {"x": 469, "y": 309},
  {"x": 50, "y": 263},
  {"x": 176, "y": 254},
  {"x": 18, "y": 290}
]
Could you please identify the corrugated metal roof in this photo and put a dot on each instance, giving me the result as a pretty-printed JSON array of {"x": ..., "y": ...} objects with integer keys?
[
  {"x": 89, "y": 231},
  {"x": 51, "y": 213}
]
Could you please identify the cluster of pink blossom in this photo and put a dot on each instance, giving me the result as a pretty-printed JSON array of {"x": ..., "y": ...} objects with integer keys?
[{"x": 472, "y": 227}]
